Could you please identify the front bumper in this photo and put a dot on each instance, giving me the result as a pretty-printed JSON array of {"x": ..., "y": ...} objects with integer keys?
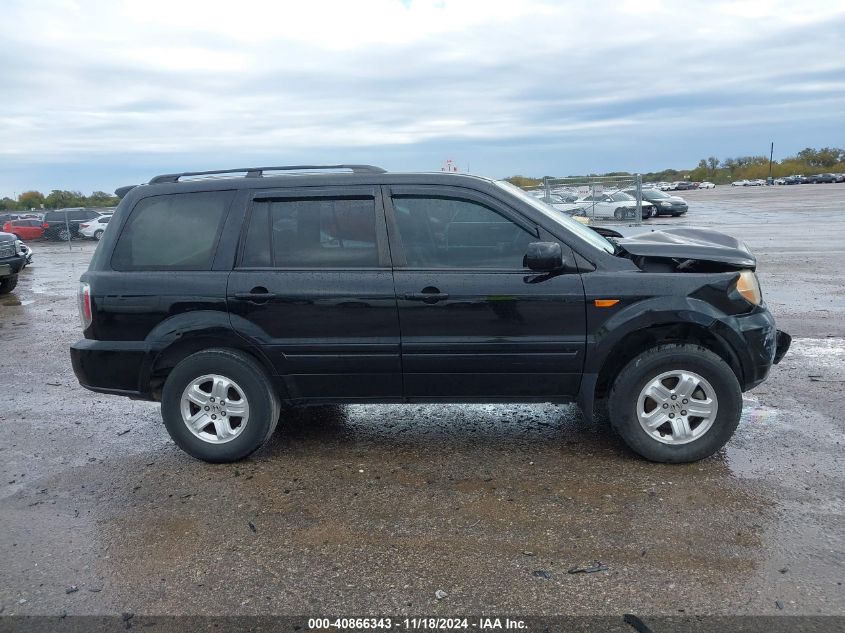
[
  {"x": 762, "y": 345},
  {"x": 782, "y": 343},
  {"x": 12, "y": 265},
  {"x": 114, "y": 367}
]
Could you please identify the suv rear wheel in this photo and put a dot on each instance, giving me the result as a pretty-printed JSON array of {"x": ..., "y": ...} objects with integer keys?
[
  {"x": 676, "y": 403},
  {"x": 219, "y": 406}
]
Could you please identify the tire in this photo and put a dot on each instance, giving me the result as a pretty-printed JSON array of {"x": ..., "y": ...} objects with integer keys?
[
  {"x": 706, "y": 434},
  {"x": 249, "y": 383},
  {"x": 63, "y": 235},
  {"x": 7, "y": 284},
  {"x": 98, "y": 234},
  {"x": 619, "y": 214}
]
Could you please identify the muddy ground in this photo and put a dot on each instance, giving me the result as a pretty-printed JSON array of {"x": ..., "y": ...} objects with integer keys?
[{"x": 373, "y": 509}]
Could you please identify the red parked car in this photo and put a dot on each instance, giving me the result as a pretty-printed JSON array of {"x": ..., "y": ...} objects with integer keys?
[{"x": 25, "y": 229}]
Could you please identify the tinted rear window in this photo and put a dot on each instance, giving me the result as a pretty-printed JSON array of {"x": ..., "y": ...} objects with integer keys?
[{"x": 173, "y": 232}]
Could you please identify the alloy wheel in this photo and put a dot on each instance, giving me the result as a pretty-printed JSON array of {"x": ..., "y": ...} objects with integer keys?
[
  {"x": 214, "y": 408},
  {"x": 677, "y": 407}
]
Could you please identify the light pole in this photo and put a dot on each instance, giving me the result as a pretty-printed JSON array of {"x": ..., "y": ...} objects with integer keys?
[{"x": 769, "y": 180}]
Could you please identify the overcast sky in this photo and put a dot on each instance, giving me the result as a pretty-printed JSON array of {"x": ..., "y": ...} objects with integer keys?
[{"x": 100, "y": 94}]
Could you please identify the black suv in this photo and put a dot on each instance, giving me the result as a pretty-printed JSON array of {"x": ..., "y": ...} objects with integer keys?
[
  {"x": 229, "y": 299},
  {"x": 63, "y": 224}
]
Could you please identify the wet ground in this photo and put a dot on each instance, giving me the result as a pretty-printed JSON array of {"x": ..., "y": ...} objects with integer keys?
[{"x": 373, "y": 509}]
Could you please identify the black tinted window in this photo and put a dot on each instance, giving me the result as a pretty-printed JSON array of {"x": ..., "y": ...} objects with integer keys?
[
  {"x": 440, "y": 232},
  {"x": 312, "y": 233},
  {"x": 177, "y": 232}
]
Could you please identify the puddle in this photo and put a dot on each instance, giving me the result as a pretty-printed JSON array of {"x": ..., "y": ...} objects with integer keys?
[{"x": 753, "y": 412}]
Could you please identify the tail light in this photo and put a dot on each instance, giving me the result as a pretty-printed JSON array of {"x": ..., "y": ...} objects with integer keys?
[
  {"x": 83, "y": 226},
  {"x": 45, "y": 226},
  {"x": 85, "y": 313}
]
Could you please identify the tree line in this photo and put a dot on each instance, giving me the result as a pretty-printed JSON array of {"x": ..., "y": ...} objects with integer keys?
[
  {"x": 807, "y": 162},
  {"x": 57, "y": 199}
]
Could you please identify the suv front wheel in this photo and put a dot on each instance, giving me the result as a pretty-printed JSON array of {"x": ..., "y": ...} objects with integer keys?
[
  {"x": 219, "y": 406},
  {"x": 675, "y": 403},
  {"x": 7, "y": 284}
]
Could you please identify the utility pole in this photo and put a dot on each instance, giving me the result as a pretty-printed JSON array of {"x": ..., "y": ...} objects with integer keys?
[{"x": 769, "y": 180}]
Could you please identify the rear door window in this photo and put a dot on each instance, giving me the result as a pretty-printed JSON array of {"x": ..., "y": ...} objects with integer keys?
[
  {"x": 172, "y": 232},
  {"x": 325, "y": 232}
]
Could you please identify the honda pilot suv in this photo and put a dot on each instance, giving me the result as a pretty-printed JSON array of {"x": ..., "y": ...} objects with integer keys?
[{"x": 231, "y": 298}]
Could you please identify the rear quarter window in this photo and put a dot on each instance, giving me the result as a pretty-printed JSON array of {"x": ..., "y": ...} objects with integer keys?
[{"x": 172, "y": 232}]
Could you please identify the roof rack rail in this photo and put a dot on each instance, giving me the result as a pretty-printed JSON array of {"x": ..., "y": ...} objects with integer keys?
[{"x": 257, "y": 172}]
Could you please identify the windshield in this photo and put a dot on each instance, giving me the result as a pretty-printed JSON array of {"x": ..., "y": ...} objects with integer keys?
[
  {"x": 654, "y": 194},
  {"x": 584, "y": 232},
  {"x": 622, "y": 197}
]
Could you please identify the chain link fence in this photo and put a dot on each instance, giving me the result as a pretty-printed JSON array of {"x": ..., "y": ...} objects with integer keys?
[{"x": 613, "y": 200}]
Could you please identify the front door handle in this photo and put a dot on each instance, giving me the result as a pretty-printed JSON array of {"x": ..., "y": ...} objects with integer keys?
[
  {"x": 428, "y": 295},
  {"x": 259, "y": 294}
]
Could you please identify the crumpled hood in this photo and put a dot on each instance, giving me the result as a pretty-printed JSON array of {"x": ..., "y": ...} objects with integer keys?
[{"x": 690, "y": 244}]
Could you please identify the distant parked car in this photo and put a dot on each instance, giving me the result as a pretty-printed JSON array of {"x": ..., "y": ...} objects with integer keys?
[
  {"x": 741, "y": 183},
  {"x": 793, "y": 180},
  {"x": 664, "y": 204},
  {"x": 683, "y": 185},
  {"x": 618, "y": 205},
  {"x": 840, "y": 177},
  {"x": 568, "y": 203},
  {"x": 27, "y": 253},
  {"x": 757, "y": 182},
  {"x": 12, "y": 261},
  {"x": 822, "y": 178},
  {"x": 94, "y": 228},
  {"x": 706, "y": 185},
  {"x": 25, "y": 229},
  {"x": 63, "y": 224}
]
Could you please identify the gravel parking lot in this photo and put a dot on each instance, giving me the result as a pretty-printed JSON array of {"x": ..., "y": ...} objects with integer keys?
[{"x": 373, "y": 509}]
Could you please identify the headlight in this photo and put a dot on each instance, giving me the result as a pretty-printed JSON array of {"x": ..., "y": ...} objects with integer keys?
[
  {"x": 666, "y": 204},
  {"x": 748, "y": 286},
  {"x": 18, "y": 247}
]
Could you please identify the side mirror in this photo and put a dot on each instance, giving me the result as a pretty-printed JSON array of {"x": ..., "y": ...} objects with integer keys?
[{"x": 543, "y": 257}]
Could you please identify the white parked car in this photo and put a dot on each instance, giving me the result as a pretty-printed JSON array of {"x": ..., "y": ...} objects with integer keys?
[
  {"x": 741, "y": 183},
  {"x": 706, "y": 185},
  {"x": 566, "y": 202},
  {"x": 94, "y": 228},
  {"x": 617, "y": 205}
]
